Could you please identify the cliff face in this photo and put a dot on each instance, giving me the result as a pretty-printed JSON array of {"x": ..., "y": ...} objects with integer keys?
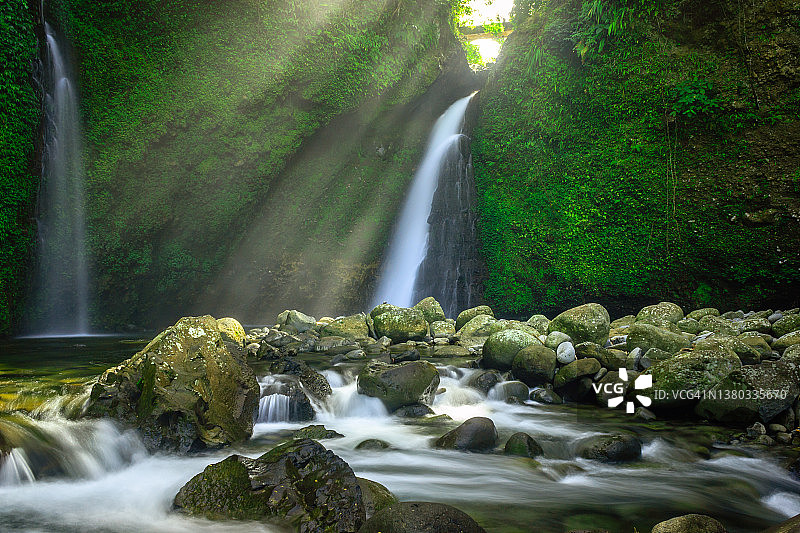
[
  {"x": 245, "y": 156},
  {"x": 18, "y": 132},
  {"x": 659, "y": 161}
]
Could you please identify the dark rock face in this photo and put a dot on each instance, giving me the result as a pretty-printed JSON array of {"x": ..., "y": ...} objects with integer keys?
[
  {"x": 475, "y": 435},
  {"x": 186, "y": 390},
  {"x": 611, "y": 449},
  {"x": 417, "y": 517},
  {"x": 452, "y": 268},
  {"x": 300, "y": 483}
]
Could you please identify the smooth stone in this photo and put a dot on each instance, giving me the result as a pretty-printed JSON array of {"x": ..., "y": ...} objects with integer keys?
[
  {"x": 565, "y": 353},
  {"x": 477, "y": 434},
  {"x": 522, "y": 445},
  {"x": 611, "y": 448}
]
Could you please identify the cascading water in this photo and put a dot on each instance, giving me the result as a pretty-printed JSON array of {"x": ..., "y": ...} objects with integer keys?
[
  {"x": 62, "y": 286},
  {"x": 409, "y": 244}
]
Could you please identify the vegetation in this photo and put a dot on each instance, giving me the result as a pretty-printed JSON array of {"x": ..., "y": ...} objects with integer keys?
[
  {"x": 618, "y": 162},
  {"x": 17, "y": 140}
]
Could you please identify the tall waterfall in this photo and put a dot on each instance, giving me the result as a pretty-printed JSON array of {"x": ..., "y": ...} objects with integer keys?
[
  {"x": 62, "y": 285},
  {"x": 398, "y": 282}
]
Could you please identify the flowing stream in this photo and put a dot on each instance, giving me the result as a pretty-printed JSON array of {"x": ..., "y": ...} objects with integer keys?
[
  {"x": 94, "y": 475},
  {"x": 62, "y": 284},
  {"x": 409, "y": 243}
]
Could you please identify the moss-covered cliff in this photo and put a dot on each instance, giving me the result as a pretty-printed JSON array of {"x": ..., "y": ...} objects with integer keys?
[
  {"x": 247, "y": 155},
  {"x": 632, "y": 150},
  {"x": 18, "y": 132}
]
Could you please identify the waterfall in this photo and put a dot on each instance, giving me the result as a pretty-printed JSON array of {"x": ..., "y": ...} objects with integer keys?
[
  {"x": 409, "y": 244},
  {"x": 62, "y": 285}
]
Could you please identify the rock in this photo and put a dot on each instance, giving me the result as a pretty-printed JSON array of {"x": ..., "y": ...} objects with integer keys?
[
  {"x": 758, "y": 344},
  {"x": 761, "y": 325},
  {"x": 792, "y": 354},
  {"x": 790, "y": 526},
  {"x": 431, "y": 310},
  {"x": 611, "y": 448},
  {"x": 471, "y": 328},
  {"x": 484, "y": 380},
  {"x": 408, "y": 355},
  {"x": 399, "y": 385},
  {"x": 733, "y": 315},
  {"x": 546, "y": 395},
  {"x": 574, "y": 371},
  {"x": 443, "y": 328},
  {"x": 501, "y": 325},
  {"x": 231, "y": 330},
  {"x": 555, "y": 338},
  {"x": 522, "y": 445},
  {"x": 373, "y": 444},
  {"x": 515, "y": 391},
  {"x": 764, "y": 440},
  {"x": 787, "y": 324},
  {"x": 296, "y": 322},
  {"x": 534, "y": 365},
  {"x": 746, "y": 354},
  {"x": 718, "y": 325},
  {"x": 451, "y": 351},
  {"x": 418, "y": 517},
  {"x": 401, "y": 324},
  {"x": 627, "y": 320},
  {"x": 743, "y": 395},
  {"x": 700, "y": 313},
  {"x": 690, "y": 523},
  {"x": 501, "y": 348},
  {"x": 300, "y": 482},
  {"x": 468, "y": 314},
  {"x": 313, "y": 382},
  {"x": 660, "y": 313},
  {"x": 588, "y": 322},
  {"x": 612, "y": 386},
  {"x": 375, "y": 496},
  {"x": 681, "y": 380},
  {"x": 646, "y": 336},
  {"x": 539, "y": 323},
  {"x": 689, "y": 325},
  {"x": 609, "y": 358},
  {"x": 417, "y": 410},
  {"x": 186, "y": 390},
  {"x": 348, "y": 327},
  {"x": 756, "y": 430},
  {"x": 475, "y": 435},
  {"x": 316, "y": 432},
  {"x": 565, "y": 353},
  {"x": 299, "y": 405},
  {"x": 653, "y": 356},
  {"x": 782, "y": 343},
  {"x": 645, "y": 414},
  {"x": 776, "y": 428},
  {"x": 774, "y": 317}
]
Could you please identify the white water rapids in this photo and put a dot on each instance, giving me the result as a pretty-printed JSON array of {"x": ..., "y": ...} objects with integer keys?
[{"x": 102, "y": 480}]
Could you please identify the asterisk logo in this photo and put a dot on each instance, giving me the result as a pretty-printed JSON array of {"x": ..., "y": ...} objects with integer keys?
[{"x": 645, "y": 381}]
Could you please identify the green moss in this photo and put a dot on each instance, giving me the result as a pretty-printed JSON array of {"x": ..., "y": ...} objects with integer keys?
[
  {"x": 17, "y": 141},
  {"x": 590, "y": 188}
]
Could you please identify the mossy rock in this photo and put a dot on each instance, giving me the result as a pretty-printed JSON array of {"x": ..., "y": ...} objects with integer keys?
[
  {"x": 611, "y": 448},
  {"x": 609, "y": 358},
  {"x": 231, "y": 330},
  {"x": 588, "y": 322},
  {"x": 468, "y": 314},
  {"x": 186, "y": 390},
  {"x": 375, "y": 496},
  {"x": 747, "y": 354},
  {"x": 574, "y": 371},
  {"x": 401, "y": 324},
  {"x": 690, "y": 523},
  {"x": 431, "y": 310},
  {"x": 758, "y": 344},
  {"x": 502, "y": 347},
  {"x": 471, "y": 328},
  {"x": 522, "y": 445},
  {"x": 698, "y": 314},
  {"x": 758, "y": 324},
  {"x": 718, "y": 325},
  {"x": 443, "y": 328},
  {"x": 787, "y": 324},
  {"x": 316, "y": 432},
  {"x": 782, "y": 343},
  {"x": 299, "y": 482},
  {"x": 659, "y": 313},
  {"x": 534, "y": 365},
  {"x": 688, "y": 372},
  {"x": 539, "y": 323},
  {"x": 416, "y": 517},
  {"x": 398, "y": 385},
  {"x": 295, "y": 321},
  {"x": 348, "y": 327},
  {"x": 646, "y": 336}
]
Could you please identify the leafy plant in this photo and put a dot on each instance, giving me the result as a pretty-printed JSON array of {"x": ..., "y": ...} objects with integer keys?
[{"x": 695, "y": 98}]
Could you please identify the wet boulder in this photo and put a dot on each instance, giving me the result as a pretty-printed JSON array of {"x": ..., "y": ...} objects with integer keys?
[
  {"x": 375, "y": 496},
  {"x": 313, "y": 382},
  {"x": 522, "y": 445},
  {"x": 468, "y": 314},
  {"x": 299, "y": 483},
  {"x": 186, "y": 390},
  {"x": 431, "y": 310},
  {"x": 283, "y": 400},
  {"x": 534, "y": 365},
  {"x": 501, "y": 347},
  {"x": 477, "y": 434},
  {"x": 509, "y": 391},
  {"x": 400, "y": 324},
  {"x": 608, "y": 358},
  {"x": 611, "y": 448},
  {"x": 293, "y": 321},
  {"x": 316, "y": 432},
  {"x": 682, "y": 379},
  {"x": 416, "y": 410},
  {"x": 752, "y": 393},
  {"x": 349, "y": 327},
  {"x": 484, "y": 380},
  {"x": 585, "y": 323},
  {"x": 574, "y": 371},
  {"x": 690, "y": 523},
  {"x": 646, "y": 336},
  {"x": 416, "y": 517},
  {"x": 399, "y": 385}
]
